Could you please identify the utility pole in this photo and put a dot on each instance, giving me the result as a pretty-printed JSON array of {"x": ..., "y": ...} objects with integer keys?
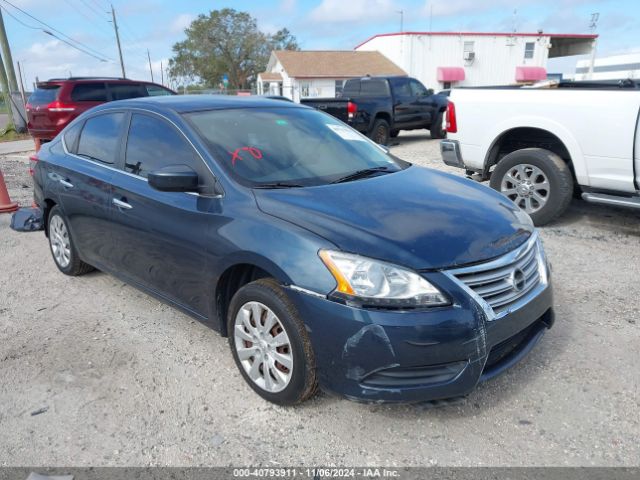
[
  {"x": 6, "y": 53},
  {"x": 115, "y": 27},
  {"x": 592, "y": 26},
  {"x": 24, "y": 98},
  {"x": 401, "y": 12},
  {"x": 161, "y": 73},
  {"x": 150, "y": 69},
  {"x": 5, "y": 91}
]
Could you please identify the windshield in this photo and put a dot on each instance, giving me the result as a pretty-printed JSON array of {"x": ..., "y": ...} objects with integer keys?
[{"x": 288, "y": 146}]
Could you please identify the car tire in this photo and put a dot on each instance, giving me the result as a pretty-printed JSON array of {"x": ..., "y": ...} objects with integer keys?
[
  {"x": 394, "y": 133},
  {"x": 437, "y": 132},
  {"x": 259, "y": 314},
  {"x": 63, "y": 250},
  {"x": 536, "y": 180},
  {"x": 380, "y": 133}
]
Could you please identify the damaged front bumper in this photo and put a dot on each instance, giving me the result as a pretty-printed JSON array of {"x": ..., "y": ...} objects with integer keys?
[{"x": 414, "y": 356}]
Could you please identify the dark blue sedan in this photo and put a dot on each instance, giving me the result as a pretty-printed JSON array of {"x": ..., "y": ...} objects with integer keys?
[{"x": 325, "y": 260}]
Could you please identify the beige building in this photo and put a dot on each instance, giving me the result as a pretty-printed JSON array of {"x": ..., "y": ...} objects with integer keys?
[{"x": 307, "y": 74}]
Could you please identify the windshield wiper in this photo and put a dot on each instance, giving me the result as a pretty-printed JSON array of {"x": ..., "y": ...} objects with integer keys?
[
  {"x": 365, "y": 172},
  {"x": 279, "y": 185}
]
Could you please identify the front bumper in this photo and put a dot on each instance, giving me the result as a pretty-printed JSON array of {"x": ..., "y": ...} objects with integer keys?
[
  {"x": 413, "y": 356},
  {"x": 450, "y": 151}
]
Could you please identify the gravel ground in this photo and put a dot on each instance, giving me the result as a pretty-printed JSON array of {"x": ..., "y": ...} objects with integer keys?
[{"x": 121, "y": 379}]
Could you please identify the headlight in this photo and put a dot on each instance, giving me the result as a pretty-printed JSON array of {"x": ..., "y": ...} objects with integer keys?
[{"x": 375, "y": 283}]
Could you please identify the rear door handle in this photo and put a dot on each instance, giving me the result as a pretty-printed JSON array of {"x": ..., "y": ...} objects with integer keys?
[
  {"x": 121, "y": 204},
  {"x": 64, "y": 183}
]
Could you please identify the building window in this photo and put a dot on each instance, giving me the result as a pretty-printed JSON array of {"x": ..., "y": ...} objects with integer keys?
[
  {"x": 469, "y": 53},
  {"x": 339, "y": 85},
  {"x": 304, "y": 89},
  {"x": 529, "y": 48}
]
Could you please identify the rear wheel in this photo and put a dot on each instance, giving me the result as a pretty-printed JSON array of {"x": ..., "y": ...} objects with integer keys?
[
  {"x": 270, "y": 345},
  {"x": 62, "y": 247},
  {"x": 380, "y": 132},
  {"x": 437, "y": 131},
  {"x": 536, "y": 180}
]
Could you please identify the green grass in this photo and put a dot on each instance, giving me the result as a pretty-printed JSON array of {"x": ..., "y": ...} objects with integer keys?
[{"x": 9, "y": 134}]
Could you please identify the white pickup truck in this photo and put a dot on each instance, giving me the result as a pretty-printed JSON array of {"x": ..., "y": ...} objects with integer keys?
[{"x": 539, "y": 146}]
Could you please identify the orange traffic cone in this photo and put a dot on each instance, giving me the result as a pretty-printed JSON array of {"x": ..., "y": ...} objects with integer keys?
[{"x": 6, "y": 205}]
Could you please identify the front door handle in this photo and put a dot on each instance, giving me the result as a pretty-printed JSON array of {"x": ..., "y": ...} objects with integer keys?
[
  {"x": 121, "y": 204},
  {"x": 65, "y": 184}
]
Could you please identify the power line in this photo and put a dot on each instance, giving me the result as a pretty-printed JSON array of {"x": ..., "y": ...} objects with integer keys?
[
  {"x": 102, "y": 28},
  {"x": 85, "y": 47},
  {"x": 101, "y": 57}
]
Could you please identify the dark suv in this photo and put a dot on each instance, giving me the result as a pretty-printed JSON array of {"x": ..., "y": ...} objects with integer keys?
[{"x": 56, "y": 102}]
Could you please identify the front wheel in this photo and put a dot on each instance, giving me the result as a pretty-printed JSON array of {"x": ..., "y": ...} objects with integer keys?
[
  {"x": 380, "y": 132},
  {"x": 62, "y": 247},
  {"x": 270, "y": 344},
  {"x": 437, "y": 131},
  {"x": 536, "y": 180}
]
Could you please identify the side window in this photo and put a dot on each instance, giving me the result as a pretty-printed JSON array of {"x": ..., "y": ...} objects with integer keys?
[
  {"x": 374, "y": 88},
  {"x": 89, "y": 92},
  {"x": 351, "y": 88},
  {"x": 529, "y": 48},
  {"x": 154, "y": 144},
  {"x": 71, "y": 137},
  {"x": 417, "y": 89},
  {"x": 338, "y": 88},
  {"x": 122, "y": 91},
  {"x": 401, "y": 87},
  {"x": 157, "y": 91},
  {"x": 100, "y": 137}
]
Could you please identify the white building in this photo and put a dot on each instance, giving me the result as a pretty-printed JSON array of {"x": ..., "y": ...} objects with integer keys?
[
  {"x": 615, "y": 67},
  {"x": 446, "y": 59},
  {"x": 304, "y": 74}
]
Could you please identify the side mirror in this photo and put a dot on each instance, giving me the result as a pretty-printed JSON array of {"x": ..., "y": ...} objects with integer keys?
[
  {"x": 429, "y": 91},
  {"x": 174, "y": 178}
]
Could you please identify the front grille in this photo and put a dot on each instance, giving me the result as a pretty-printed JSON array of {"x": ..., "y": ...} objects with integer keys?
[{"x": 501, "y": 283}]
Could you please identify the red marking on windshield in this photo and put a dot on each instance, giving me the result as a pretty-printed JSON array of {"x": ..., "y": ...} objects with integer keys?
[{"x": 253, "y": 151}]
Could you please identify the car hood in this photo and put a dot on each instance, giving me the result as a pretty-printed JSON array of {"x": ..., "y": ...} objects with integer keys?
[{"x": 418, "y": 217}]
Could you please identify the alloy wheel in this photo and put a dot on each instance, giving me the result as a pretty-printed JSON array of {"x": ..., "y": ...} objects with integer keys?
[
  {"x": 527, "y": 186},
  {"x": 263, "y": 347},
  {"x": 59, "y": 240}
]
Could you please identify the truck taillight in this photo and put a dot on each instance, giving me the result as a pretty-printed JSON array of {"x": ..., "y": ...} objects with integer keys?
[
  {"x": 58, "y": 106},
  {"x": 352, "y": 109},
  {"x": 452, "y": 124},
  {"x": 33, "y": 159}
]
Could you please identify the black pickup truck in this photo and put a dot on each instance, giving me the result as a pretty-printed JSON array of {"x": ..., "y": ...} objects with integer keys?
[{"x": 380, "y": 107}]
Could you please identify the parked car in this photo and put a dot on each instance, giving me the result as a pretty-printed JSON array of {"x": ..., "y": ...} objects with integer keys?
[
  {"x": 325, "y": 260},
  {"x": 380, "y": 107},
  {"x": 58, "y": 101},
  {"x": 540, "y": 145}
]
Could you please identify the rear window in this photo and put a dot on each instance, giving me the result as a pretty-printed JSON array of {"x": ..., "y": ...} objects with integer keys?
[
  {"x": 351, "y": 87},
  {"x": 374, "y": 88},
  {"x": 99, "y": 139},
  {"x": 44, "y": 95},
  {"x": 89, "y": 92},
  {"x": 122, "y": 91}
]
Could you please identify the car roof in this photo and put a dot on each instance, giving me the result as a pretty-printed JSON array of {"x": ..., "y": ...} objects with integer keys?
[{"x": 194, "y": 103}]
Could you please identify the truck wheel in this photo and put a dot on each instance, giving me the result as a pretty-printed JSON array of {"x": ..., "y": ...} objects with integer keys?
[
  {"x": 436, "y": 129},
  {"x": 536, "y": 180},
  {"x": 394, "y": 133},
  {"x": 380, "y": 132}
]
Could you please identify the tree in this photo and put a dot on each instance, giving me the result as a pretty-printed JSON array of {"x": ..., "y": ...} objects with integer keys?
[{"x": 225, "y": 42}]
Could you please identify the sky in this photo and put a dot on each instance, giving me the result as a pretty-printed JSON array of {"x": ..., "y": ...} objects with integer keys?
[{"x": 322, "y": 24}]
